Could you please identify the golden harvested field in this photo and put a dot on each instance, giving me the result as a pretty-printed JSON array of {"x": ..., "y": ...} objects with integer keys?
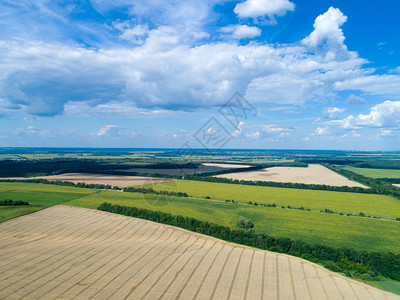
[
  {"x": 77, "y": 253},
  {"x": 205, "y": 167},
  {"x": 118, "y": 180},
  {"x": 398, "y": 185},
  {"x": 313, "y": 174}
]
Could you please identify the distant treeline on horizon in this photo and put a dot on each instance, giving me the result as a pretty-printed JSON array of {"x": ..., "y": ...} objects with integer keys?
[{"x": 100, "y": 149}]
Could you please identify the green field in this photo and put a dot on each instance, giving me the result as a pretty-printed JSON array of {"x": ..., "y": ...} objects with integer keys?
[
  {"x": 341, "y": 202},
  {"x": 312, "y": 227},
  {"x": 39, "y": 196},
  {"x": 388, "y": 285},
  {"x": 373, "y": 173}
]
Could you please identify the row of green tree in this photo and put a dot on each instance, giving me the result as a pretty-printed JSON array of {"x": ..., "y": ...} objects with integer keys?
[
  {"x": 54, "y": 166},
  {"x": 296, "y": 163},
  {"x": 31, "y": 168},
  {"x": 319, "y": 187},
  {"x": 142, "y": 174},
  {"x": 167, "y": 165},
  {"x": 100, "y": 187},
  {"x": 154, "y": 192},
  {"x": 208, "y": 179},
  {"x": 10, "y": 202},
  {"x": 226, "y": 171},
  {"x": 338, "y": 259},
  {"x": 65, "y": 183},
  {"x": 378, "y": 164},
  {"x": 390, "y": 180},
  {"x": 377, "y": 186},
  {"x": 253, "y": 167},
  {"x": 363, "y": 163}
]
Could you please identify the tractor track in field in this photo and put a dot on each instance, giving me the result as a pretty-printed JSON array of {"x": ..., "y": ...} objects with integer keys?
[{"x": 88, "y": 254}]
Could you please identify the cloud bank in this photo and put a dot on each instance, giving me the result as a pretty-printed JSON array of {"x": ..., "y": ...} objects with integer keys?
[{"x": 164, "y": 69}]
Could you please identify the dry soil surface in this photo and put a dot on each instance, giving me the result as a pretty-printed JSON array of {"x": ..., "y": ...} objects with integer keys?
[
  {"x": 313, "y": 174},
  {"x": 76, "y": 253},
  {"x": 118, "y": 180}
]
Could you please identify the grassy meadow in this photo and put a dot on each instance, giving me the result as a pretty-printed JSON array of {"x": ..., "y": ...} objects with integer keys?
[
  {"x": 312, "y": 227},
  {"x": 374, "y": 173},
  {"x": 342, "y": 202},
  {"x": 39, "y": 196},
  {"x": 388, "y": 285}
]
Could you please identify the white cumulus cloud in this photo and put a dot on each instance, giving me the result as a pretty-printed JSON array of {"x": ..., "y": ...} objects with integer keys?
[
  {"x": 327, "y": 33},
  {"x": 242, "y": 31},
  {"x": 372, "y": 84},
  {"x": 384, "y": 115},
  {"x": 106, "y": 129},
  {"x": 321, "y": 131},
  {"x": 135, "y": 34},
  {"x": 166, "y": 73},
  {"x": 238, "y": 130},
  {"x": 354, "y": 99},
  {"x": 261, "y": 8},
  {"x": 332, "y": 112},
  {"x": 114, "y": 131}
]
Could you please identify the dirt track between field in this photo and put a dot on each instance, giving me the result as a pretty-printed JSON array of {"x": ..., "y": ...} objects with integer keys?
[
  {"x": 76, "y": 253},
  {"x": 313, "y": 174}
]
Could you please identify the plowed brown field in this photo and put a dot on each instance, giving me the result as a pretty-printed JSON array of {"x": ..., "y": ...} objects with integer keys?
[{"x": 76, "y": 253}]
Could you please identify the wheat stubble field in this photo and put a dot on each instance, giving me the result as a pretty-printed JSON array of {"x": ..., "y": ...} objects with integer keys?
[
  {"x": 77, "y": 253},
  {"x": 313, "y": 174}
]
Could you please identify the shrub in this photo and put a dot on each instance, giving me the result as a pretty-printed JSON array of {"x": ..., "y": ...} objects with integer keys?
[
  {"x": 245, "y": 223},
  {"x": 332, "y": 266},
  {"x": 9, "y": 202},
  {"x": 367, "y": 277}
]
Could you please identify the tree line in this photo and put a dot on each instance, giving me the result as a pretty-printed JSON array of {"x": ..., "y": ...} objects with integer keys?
[
  {"x": 100, "y": 187},
  {"x": 390, "y": 180},
  {"x": 154, "y": 192},
  {"x": 253, "y": 167},
  {"x": 319, "y": 187},
  {"x": 65, "y": 183},
  {"x": 44, "y": 167},
  {"x": 10, "y": 202},
  {"x": 349, "y": 261},
  {"x": 377, "y": 186}
]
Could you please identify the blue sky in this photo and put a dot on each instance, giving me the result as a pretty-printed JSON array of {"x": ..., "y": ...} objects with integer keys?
[{"x": 151, "y": 73}]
